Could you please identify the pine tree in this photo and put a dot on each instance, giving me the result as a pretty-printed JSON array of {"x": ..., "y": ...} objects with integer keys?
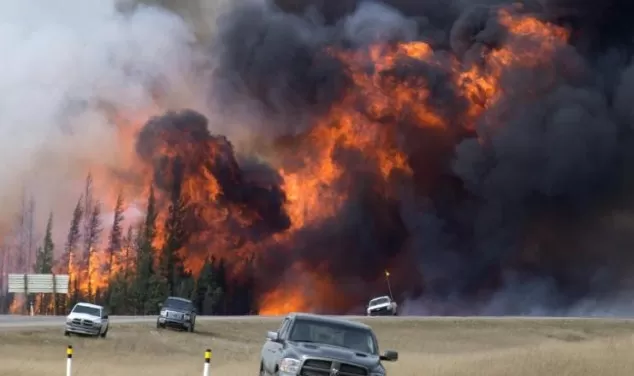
[
  {"x": 115, "y": 244},
  {"x": 25, "y": 234},
  {"x": 242, "y": 301},
  {"x": 119, "y": 299},
  {"x": 129, "y": 252},
  {"x": 117, "y": 302},
  {"x": 128, "y": 246},
  {"x": 83, "y": 259},
  {"x": 116, "y": 234},
  {"x": 44, "y": 262},
  {"x": 149, "y": 226},
  {"x": 45, "y": 254},
  {"x": 208, "y": 290},
  {"x": 172, "y": 269},
  {"x": 70, "y": 248},
  {"x": 147, "y": 286},
  {"x": 249, "y": 286},
  {"x": 30, "y": 231},
  {"x": 91, "y": 240},
  {"x": 221, "y": 281},
  {"x": 186, "y": 287}
]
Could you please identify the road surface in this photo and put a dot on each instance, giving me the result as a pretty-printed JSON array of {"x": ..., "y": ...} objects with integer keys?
[{"x": 20, "y": 321}]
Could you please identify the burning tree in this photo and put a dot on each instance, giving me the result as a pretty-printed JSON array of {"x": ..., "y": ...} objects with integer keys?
[
  {"x": 470, "y": 151},
  {"x": 44, "y": 263}
]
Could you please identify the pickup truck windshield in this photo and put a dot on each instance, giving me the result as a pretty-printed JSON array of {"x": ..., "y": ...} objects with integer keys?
[
  {"x": 177, "y": 304},
  {"x": 333, "y": 334},
  {"x": 86, "y": 309},
  {"x": 378, "y": 301}
]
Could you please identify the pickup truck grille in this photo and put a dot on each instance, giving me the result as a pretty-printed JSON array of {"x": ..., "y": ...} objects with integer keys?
[
  {"x": 382, "y": 309},
  {"x": 83, "y": 323},
  {"x": 174, "y": 315},
  {"x": 320, "y": 367}
]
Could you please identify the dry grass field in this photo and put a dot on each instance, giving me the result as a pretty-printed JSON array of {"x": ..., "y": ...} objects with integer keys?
[{"x": 432, "y": 346}]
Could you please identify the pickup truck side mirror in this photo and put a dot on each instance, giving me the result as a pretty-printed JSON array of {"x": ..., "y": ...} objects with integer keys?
[
  {"x": 105, "y": 316},
  {"x": 273, "y": 336},
  {"x": 389, "y": 356}
]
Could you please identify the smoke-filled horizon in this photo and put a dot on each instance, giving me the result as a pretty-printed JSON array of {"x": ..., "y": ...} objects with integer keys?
[
  {"x": 514, "y": 123},
  {"x": 71, "y": 70},
  {"x": 478, "y": 150}
]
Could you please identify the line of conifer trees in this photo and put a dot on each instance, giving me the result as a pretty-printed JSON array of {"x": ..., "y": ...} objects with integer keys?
[{"x": 135, "y": 276}]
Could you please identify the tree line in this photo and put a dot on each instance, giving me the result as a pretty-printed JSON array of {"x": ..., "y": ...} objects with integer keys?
[{"x": 126, "y": 271}]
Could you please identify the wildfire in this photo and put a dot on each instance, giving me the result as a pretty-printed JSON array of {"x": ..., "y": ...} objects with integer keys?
[
  {"x": 307, "y": 290},
  {"x": 531, "y": 42},
  {"x": 365, "y": 120},
  {"x": 17, "y": 305},
  {"x": 283, "y": 301},
  {"x": 363, "y": 126}
]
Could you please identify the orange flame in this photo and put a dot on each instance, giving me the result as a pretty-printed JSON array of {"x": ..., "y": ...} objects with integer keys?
[
  {"x": 362, "y": 121},
  {"x": 311, "y": 193},
  {"x": 307, "y": 290},
  {"x": 531, "y": 42},
  {"x": 17, "y": 305}
]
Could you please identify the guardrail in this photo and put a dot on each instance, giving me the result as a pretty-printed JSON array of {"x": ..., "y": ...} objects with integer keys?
[{"x": 69, "y": 361}]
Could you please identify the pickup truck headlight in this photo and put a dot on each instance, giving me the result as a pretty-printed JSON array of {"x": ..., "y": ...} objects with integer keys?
[
  {"x": 187, "y": 317},
  {"x": 163, "y": 312},
  {"x": 290, "y": 365}
]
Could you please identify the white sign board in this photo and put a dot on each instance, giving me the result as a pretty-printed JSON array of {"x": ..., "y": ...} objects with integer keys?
[{"x": 38, "y": 283}]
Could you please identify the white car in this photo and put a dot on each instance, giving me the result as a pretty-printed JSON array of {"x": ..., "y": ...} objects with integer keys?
[
  {"x": 86, "y": 318},
  {"x": 381, "y": 306}
]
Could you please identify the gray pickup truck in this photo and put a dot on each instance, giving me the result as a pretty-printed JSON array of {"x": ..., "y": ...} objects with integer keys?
[
  {"x": 314, "y": 345},
  {"x": 177, "y": 313}
]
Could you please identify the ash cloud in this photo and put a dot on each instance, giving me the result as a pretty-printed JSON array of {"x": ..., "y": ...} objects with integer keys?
[{"x": 525, "y": 210}]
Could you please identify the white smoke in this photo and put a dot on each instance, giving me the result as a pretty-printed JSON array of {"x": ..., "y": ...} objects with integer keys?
[{"x": 66, "y": 65}]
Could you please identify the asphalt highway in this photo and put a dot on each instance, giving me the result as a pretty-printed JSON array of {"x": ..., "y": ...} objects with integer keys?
[{"x": 21, "y": 321}]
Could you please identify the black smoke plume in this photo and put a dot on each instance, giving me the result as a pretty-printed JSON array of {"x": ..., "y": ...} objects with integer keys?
[
  {"x": 180, "y": 148},
  {"x": 529, "y": 211}
]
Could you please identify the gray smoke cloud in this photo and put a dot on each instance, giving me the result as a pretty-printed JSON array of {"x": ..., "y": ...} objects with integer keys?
[{"x": 68, "y": 67}]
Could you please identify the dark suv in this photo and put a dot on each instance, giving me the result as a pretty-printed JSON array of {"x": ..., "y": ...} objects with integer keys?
[{"x": 177, "y": 313}]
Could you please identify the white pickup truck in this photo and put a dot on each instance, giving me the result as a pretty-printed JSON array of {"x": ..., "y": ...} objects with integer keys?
[
  {"x": 86, "y": 318},
  {"x": 382, "y": 306}
]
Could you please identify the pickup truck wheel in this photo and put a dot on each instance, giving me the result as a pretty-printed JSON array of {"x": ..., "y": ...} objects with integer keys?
[
  {"x": 191, "y": 327},
  {"x": 103, "y": 335},
  {"x": 66, "y": 333}
]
